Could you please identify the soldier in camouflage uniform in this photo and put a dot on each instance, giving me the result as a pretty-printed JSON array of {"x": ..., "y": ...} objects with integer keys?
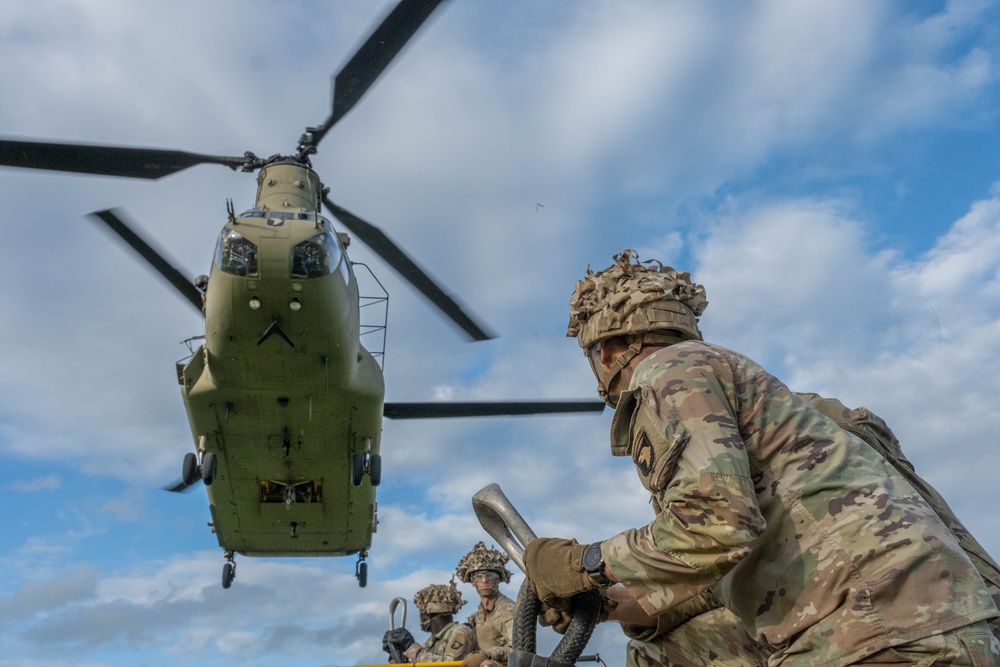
[
  {"x": 449, "y": 640},
  {"x": 493, "y": 621},
  {"x": 679, "y": 637},
  {"x": 819, "y": 546}
]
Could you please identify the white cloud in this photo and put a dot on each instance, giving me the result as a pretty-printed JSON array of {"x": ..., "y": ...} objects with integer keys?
[
  {"x": 47, "y": 483},
  {"x": 725, "y": 141}
]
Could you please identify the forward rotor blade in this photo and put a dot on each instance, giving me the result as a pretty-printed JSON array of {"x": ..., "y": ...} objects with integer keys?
[
  {"x": 373, "y": 57},
  {"x": 148, "y": 163},
  {"x": 376, "y": 239},
  {"x": 486, "y": 408},
  {"x": 153, "y": 256}
]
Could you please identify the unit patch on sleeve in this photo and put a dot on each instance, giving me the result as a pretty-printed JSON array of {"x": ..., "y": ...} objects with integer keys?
[{"x": 642, "y": 452}]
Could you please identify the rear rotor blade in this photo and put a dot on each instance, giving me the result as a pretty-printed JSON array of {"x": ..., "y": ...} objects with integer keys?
[
  {"x": 153, "y": 256},
  {"x": 486, "y": 408},
  {"x": 373, "y": 57},
  {"x": 179, "y": 486},
  {"x": 376, "y": 239},
  {"x": 149, "y": 163}
]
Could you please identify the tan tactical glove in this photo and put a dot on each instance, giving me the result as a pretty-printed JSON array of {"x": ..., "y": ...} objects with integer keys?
[
  {"x": 474, "y": 659},
  {"x": 554, "y": 567},
  {"x": 559, "y": 620}
]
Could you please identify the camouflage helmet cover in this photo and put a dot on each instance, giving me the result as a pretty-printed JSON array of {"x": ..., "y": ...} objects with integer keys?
[
  {"x": 481, "y": 558},
  {"x": 629, "y": 297},
  {"x": 439, "y": 599}
]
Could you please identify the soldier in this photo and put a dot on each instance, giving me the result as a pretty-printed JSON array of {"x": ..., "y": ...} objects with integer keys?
[
  {"x": 703, "y": 632},
  {"x": 493, "y": 621},
  {"x": 817, "y": 544},
  {"x": 448, "y": 641}
]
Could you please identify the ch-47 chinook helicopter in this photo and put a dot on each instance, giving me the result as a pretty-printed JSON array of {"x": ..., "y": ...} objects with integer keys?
[{"x": 284, "y": 402}]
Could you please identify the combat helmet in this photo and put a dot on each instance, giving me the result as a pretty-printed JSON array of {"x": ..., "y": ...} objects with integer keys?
[
  {"x": 645, "y": 301},
  {"x": 481, "y": 558},
  {"x": 439, "y": 599}
]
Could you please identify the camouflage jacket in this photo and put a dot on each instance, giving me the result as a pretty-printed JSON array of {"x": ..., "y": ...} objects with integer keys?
[
  {"x": 453, "y": 642},
  {"x": 873, "y": 430},
  {"x": 495, "y": 628},
  {"x": 807, "y": 534}
]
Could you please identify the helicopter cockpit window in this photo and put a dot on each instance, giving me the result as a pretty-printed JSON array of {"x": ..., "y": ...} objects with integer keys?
[
  {"x": 235, "y": 254},
  {"x": 316, "y": 257}
]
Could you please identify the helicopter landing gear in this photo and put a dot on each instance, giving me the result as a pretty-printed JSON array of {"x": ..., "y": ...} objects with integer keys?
[
  {"x": 192, "y": 471},
  {"x": 208, "y": 465},
  {"x": 189, "y": 469},
  {"x": 361, "y": 570},
  {"x": 375, "y": 468},
  {"x": 229, "y": 570},
  {"x": 366, "y": 463}
]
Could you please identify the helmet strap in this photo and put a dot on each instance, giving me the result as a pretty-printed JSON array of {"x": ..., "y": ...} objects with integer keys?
[{"x": 610, "y": 388}]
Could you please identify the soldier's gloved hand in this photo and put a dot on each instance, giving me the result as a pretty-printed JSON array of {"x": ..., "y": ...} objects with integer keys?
[
  {"x": 497, "y": 653},
  {"x": 387, "y": 647},
  {"x": 474, "y": 659},
  {"x": 559, "y": 620},
  {"x": 395, "y": 642},
  {"x": 608, "y": 605},
  {"x": 555, "y": 619},
  {"x": 554, "y": 567}
]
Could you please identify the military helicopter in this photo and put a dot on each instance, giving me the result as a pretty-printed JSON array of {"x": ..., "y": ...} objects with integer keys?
[{"x": 284, "y": 403}]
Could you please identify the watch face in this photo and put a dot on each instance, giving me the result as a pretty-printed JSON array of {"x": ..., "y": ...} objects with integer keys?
[{"x": 592, "y": 557}]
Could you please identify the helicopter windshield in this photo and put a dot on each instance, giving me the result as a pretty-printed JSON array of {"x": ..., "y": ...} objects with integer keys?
[
  {"x": 317, "y": 256},
  {"x": 235, "y": 254}
]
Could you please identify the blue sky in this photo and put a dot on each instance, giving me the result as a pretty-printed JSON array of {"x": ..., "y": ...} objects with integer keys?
[{"x": 828, "y": 171}]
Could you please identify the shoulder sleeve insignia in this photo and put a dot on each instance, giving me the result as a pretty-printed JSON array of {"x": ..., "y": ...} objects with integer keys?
[
  {"x": 642, "y": 452},
  {"x": 457, "y": 644}
]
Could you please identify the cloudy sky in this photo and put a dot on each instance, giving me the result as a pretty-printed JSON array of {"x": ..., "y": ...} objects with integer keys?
[{"x": 828, "y": 170}]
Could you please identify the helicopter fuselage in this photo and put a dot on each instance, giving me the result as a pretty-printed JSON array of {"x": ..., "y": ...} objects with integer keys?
[{"x": 282, "y": 391}]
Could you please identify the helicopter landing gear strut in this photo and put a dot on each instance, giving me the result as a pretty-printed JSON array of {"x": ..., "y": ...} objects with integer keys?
[
  {"x": 361, "y": 569},
  {"x": 366, "y": 463},
  {"x": 229, "y": 569},
  {"x": 192, "y": 469}
]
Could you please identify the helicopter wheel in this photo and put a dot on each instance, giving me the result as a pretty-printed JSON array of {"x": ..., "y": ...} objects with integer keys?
[
  {"x": 228, "y": 574},
  {"x": 208, "y": 465},
  {"x": 357, "y": 469},
  {"x": 375, "y": 469},
  {"x": 361, "y": 572},
  {"x": 189, "y": 470}
]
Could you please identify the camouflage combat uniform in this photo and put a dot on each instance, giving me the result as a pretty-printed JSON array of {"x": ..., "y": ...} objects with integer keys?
[
  {"x": 699, "y": 632},
  {"x": 453, "y": 642},
  {"x": 873, "y": 430},
  {"x": 703, "y": 632},
  {"x": 810, "y": 537},
  {"x": 494, "y": 628}
]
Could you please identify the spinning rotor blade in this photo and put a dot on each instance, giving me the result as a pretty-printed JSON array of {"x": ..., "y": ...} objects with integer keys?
[
  {"x": 376, "y": 239},
  {"x": 149, "y": 163},
  {"x": 373, "y": 57},
  {"x": 486, "y": 408},
  {"x": 179, "y": 486},
  {"x": 154, "y": 257}
]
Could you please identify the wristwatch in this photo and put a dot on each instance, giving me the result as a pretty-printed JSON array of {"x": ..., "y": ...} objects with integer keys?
[{"x": 593, "y": 565}]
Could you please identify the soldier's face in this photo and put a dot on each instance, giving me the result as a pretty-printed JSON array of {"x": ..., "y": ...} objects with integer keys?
[
  {"x": 602, "y": 356},
  {"x": 486, "y": 582}
]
